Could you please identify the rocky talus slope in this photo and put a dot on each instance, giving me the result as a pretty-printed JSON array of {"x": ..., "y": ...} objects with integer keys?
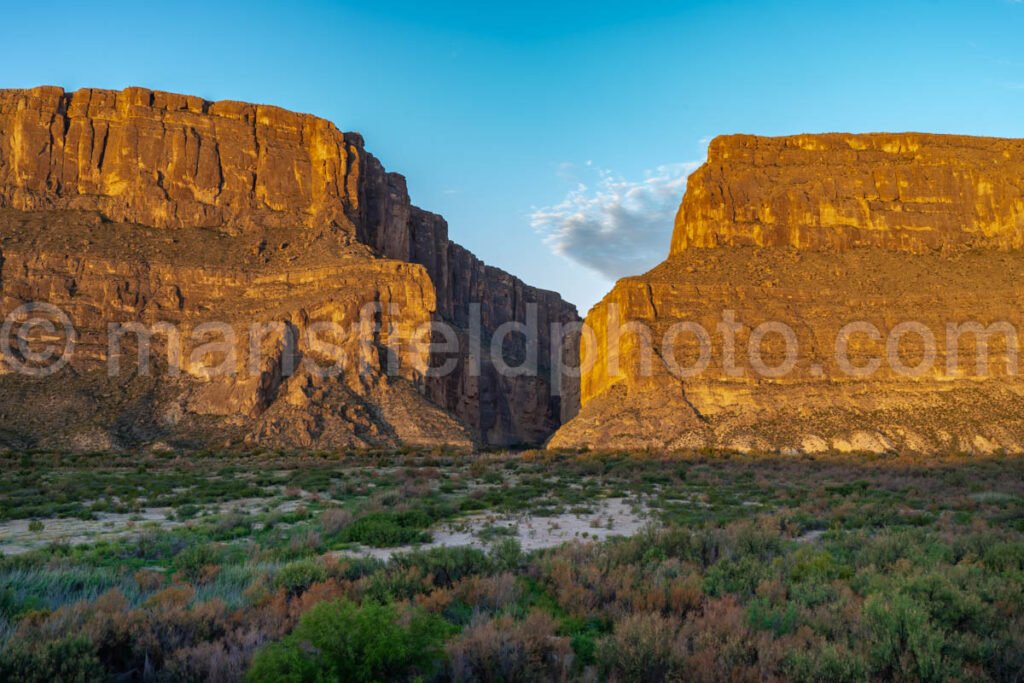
[
  {"x": 866, "y": 247},
  {"x": 174, "y": 213}
]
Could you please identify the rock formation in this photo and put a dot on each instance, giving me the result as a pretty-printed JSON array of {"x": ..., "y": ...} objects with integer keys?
[
  {"x": 867, "y": 248},
  {"x": 150, "y": 211}
]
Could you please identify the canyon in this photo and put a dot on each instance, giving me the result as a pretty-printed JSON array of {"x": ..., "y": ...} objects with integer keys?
[{"x": 239, "y": 275}]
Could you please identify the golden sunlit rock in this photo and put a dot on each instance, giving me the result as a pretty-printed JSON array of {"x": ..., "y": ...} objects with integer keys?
[
  {"x": 865, "y": 248},
  {"x": 167, "y": 211}
]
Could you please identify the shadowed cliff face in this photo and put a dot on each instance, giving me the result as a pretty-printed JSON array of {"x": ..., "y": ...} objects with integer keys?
[
  {"x": 849, "y": 292},
  {"x": 489, "y": 401},
  {"x": 153, "y": 208}
]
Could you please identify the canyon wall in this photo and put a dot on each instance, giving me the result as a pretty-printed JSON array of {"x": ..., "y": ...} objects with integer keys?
[
  {"x": 503, "y": 408},
  {"x": 822, "y": 292},
  {"x": 142, "y": 207}
]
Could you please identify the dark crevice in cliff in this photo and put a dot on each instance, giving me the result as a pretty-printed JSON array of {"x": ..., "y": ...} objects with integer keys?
[
  {"x": 650, "y": 299},
  {"x": 103, "y": 148},
  {"x": 682, "y": 385},
  {"x": 220, "y": 168}
]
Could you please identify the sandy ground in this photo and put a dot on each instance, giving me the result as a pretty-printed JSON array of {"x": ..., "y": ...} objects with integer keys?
[
  {"x": 17, "y": 538},
  {"x": 609, "y": 517},
  {"x": 606, "y": 518}
]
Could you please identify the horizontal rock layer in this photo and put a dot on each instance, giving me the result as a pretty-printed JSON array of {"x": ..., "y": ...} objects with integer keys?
[
  {"x": 269, "y": 297},
  {"x": 757, "y": 242}
]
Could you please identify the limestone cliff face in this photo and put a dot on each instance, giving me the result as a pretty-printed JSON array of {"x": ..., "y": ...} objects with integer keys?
[
  {"x": 909, "y": 192},
  {"x": 903, "y": 234},
  {"x": 147, "y": 207},
  {"x": 174, "y": 161}
]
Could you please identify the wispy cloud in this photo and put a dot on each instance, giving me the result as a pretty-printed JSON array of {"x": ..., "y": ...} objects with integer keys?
[{"x": 615, "y": 226}]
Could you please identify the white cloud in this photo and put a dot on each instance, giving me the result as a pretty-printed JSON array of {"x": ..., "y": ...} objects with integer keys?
[{"x": 616, "y": 226}]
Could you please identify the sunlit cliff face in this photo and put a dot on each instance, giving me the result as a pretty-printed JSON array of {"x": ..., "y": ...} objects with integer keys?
[
  {"x": 202, "y": 220},
  {"x": 856, "y": 292}
]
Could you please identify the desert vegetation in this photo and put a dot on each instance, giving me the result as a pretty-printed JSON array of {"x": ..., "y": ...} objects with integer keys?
[{"x": 265, "y": 567}]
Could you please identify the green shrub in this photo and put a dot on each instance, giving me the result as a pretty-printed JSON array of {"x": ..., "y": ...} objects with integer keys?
[
  {"x": 396, "y": 583},
  {"x": 232, "y": 525},
  {"x": 340, "y": 640},
  {"x": 584, "y": 635},
  {"x": 70, "y": 660},
  {"x": 763, "y": 616},
  {"x": 387, "y": 529},
  {"x": 9, "y": 606},
  {"x": 295, "y": 577},
  {"x": 885, "y": 549},
  {"x": 735, "y": 576},
  {"x": 812, "y": 594},
  {"x": 186, "y": 511},
  {"x": 506, "y": 554},
  {"x": 1004, "y": 557},
  {"x": 817, "y": 567},
  {"x": 830, "y": 663},
  {"x": 354, "y": 568},
  {"x": 643, "y": 647},
  {"x": 191, "y": 561},
  {"x": 762, "y": 543},
  {"x": 904, "y": 644},
  {"x": 445, "y": 565},
  {"x": 947, "y": 605}
]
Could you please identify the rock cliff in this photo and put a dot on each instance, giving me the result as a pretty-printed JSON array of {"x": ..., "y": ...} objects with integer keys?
[
  {"x": 174, "y": 161},
  {"x": 159, "y": 210},
  {"x": 846, "y": 292},
  {"x": 906, "y": 192}
]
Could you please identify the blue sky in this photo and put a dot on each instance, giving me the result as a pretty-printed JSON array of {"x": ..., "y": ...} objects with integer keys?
[{"x": 554, "y": 137}]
